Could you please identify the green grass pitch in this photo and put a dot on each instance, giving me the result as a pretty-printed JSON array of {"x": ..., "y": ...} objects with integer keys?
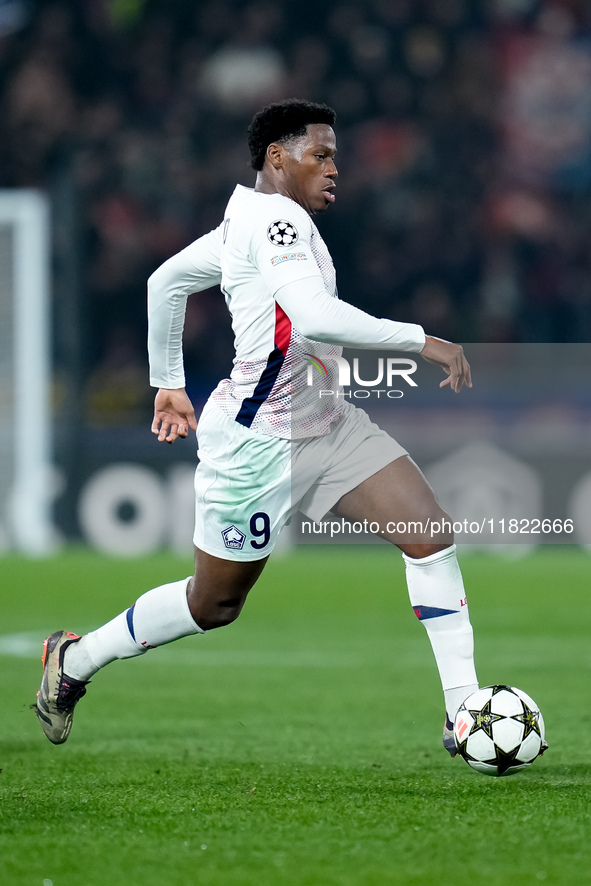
[{"x": 301, "y": 745}]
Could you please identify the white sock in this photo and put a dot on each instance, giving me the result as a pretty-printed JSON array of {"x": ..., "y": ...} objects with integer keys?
[
  {"x": 437, "y": 595},
  {"x": 157, "y": 617}
]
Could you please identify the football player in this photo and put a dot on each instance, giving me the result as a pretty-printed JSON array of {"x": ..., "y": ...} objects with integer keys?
[{"x": 269, "y": 443}]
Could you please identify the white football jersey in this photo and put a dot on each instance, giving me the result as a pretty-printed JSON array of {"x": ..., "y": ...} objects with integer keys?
[
  {"x": 269, "y": 241},
  {"x": 279, "y": 282}
]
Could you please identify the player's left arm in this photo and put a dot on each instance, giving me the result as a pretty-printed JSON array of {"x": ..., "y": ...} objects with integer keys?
[
  {"x": 192, "y": 270},
  {"x": 173, "y": 415},
  {"x": 195, "y": 268}
]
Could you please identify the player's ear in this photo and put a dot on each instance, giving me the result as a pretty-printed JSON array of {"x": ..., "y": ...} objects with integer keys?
[{"x": 276, "y": 155}]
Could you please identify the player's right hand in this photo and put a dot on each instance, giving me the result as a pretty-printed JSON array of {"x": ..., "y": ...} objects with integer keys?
[
  {"x": 451, "y": 359},
  {"x": 173, "y": 415}
]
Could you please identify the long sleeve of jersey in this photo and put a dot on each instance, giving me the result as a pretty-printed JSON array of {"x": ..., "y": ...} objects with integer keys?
[
  {"x": 319, "y": 317},
  {"x": 192, "y": 270}
]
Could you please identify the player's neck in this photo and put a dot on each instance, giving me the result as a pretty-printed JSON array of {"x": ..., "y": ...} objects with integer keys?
[{"x": 266, "y": 184}]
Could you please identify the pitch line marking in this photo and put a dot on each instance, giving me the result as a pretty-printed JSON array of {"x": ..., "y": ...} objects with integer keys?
[{"x": 28, "y": 644}]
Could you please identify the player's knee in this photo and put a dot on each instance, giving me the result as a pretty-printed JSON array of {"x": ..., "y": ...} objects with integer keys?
[
  {"x": 419, "y": 550},
  {"x": 441, "y": 531},
  {"x": 210, "y": 621},
  {"x": 433, "y": 532},
  {"x": 215, "y": 614}
]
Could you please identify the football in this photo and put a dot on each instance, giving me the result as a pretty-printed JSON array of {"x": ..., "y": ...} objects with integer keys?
[{"x": 499, "y": 730}]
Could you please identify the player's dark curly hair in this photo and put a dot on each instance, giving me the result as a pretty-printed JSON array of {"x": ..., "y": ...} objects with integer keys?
[{"x": 282, "y": 121}]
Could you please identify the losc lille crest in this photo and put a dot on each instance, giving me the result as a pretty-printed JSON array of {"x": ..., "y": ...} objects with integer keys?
[{"x": 233, "y": 538}]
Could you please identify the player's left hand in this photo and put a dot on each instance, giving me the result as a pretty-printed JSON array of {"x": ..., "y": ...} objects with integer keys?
[
  {"x": 451, "y": 359},
  {"x": 173, "y": 415}
]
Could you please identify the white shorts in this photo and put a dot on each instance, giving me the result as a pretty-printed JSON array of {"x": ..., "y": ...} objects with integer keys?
[{"x": 248, "y": 484}]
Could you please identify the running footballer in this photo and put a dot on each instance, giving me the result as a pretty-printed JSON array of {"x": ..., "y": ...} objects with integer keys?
[{"x": 268, "y": 444}]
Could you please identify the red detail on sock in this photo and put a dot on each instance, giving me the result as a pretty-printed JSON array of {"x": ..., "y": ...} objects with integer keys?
[{"x": 417, "y": 611}]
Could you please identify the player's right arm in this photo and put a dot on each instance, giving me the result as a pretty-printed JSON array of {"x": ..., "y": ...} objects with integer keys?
[
  {"x": 192, "y": 270},
  {"x": 322, "y": 318},
  {"x": 451, "y": 359},
  {"x": 295, "y": 281}
]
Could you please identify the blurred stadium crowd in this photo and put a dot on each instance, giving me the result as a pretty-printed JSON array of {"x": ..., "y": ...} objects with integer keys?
[{"x": 464, "y": 131}]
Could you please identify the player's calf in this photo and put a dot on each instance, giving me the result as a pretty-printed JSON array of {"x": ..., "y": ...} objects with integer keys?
[{"x": 438, "y": 598}]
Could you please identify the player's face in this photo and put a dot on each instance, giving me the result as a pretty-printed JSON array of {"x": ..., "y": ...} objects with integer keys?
[{"x": 309, "y": 168}]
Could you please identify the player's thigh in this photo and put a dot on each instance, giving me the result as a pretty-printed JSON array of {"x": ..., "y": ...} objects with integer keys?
[
  {"x": 242, "y": 490},
  {"x": 346, "y": 457},
  {"x": 401, "y": 501}
]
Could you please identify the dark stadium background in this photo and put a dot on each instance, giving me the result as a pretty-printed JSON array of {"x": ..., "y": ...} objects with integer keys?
[{"x": 464, "y": 131}]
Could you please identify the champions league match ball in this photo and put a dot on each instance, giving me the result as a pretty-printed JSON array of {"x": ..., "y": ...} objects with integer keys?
[{"x": 499, "y": 730}]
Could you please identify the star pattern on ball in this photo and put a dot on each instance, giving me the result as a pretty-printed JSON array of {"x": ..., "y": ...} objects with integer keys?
[
  {"x": 504, "y": 761},
  {"x": 282, "y": 233},
  {"x": 484, "y": 719},
  {"x": 530, "y": 720}
]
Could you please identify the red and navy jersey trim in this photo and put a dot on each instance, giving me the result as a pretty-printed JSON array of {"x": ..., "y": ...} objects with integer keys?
[{"x": 251, "y": 405}]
